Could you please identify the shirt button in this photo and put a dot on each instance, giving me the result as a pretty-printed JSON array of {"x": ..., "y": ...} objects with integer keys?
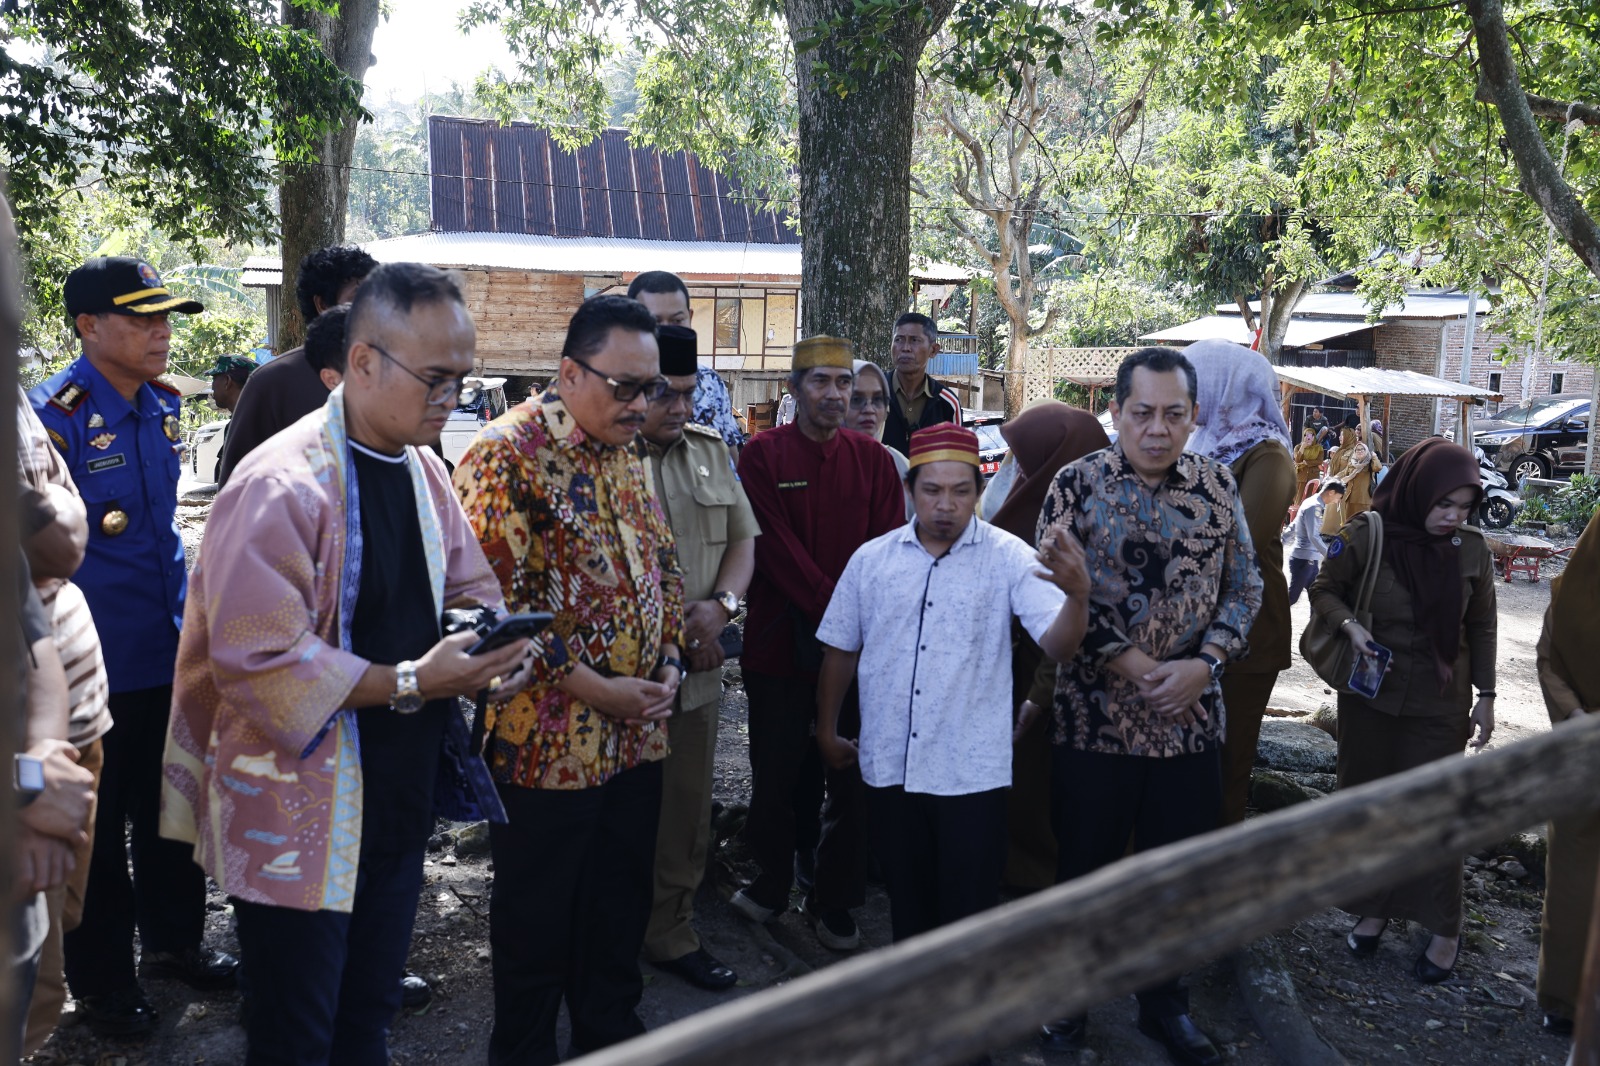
[
  {"x": 913, "y": 736},
  {"x": 924, "y": 647},
  {"x": 919, "y": 692},
  {"x": 930, "y": 603}
]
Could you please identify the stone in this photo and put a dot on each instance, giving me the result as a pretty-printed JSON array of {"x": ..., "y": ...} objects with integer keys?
[
  {"x": 1326, "y": 718},
  {"x": 1296, "y": 747},
  {"x": 1324, "y": 783},
  {"x": 1513, "y": 869},
  {"x": 473, "y": 839},
  {"x": 1272, "y": 791}
]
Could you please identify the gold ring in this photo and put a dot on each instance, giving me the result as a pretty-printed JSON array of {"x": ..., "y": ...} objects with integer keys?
[
  {"x": 494, "y": 683},
  {"x": 694, "y": 644}
]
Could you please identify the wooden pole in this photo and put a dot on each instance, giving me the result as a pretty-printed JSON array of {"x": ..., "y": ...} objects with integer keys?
[
  {"x": 952, "y": 994},
  {"x": 1388, "y": 430},
  {"x": 1364, "y": 428}
]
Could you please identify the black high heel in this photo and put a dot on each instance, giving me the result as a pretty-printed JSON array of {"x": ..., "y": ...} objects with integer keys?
[
  {"x": 1431, "y": 974},
  {"x": 1364, "y": 945}
]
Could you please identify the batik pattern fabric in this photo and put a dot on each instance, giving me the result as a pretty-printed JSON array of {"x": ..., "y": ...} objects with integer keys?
[
  {"x": 262, "y": 769},
  {"x": 572, "y": 527},
  {"x": 1170, "y": 570},
  {"x": 713, "y": 406}
]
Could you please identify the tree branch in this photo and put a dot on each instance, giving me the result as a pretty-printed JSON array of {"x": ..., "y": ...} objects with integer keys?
[
  {"x": 1540, "y": 178},
  {"x": 1545, "y": 107}
]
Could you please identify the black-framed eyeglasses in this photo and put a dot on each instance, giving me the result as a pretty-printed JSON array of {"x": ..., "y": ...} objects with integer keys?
[
  {"x": 439, "y": 389},
  {"x": 860, "y": 400},
  {"x": 626, "y": 391},
  {"x": 669, "y": 395}
]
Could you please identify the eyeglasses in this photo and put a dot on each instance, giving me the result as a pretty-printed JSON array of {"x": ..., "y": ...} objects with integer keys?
[
  {"x": 439, "y": 389},
  {"x": 669, "y": 396},
  {"x": 626, "y": 391},
  {"x": 860, "y": 400}
]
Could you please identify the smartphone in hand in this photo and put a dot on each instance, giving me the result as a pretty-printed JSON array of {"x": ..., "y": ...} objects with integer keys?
[
  {"x": 512, "y": 627},
  {"x": 1366, "y": 676}
]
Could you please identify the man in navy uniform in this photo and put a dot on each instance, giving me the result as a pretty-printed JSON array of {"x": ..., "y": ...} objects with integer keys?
[{"x": 119, "y": 430}]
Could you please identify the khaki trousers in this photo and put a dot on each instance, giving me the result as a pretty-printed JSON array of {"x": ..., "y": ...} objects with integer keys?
[
  {"x": 683, "y": 840},
  {"x": 1570, "y": 869},
  {"x": 1244, "y": 703},
  {"x": 66, "y": 911}
]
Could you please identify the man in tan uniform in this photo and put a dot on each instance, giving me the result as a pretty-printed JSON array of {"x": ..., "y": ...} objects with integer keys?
[{"x": 715, "y": 529}]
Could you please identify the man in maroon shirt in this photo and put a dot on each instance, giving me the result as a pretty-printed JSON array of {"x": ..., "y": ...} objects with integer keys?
[{"x": 819, "y": 493}]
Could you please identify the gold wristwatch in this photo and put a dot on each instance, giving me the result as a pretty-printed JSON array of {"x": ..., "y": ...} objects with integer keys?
[{"x": 729, "y": 602}]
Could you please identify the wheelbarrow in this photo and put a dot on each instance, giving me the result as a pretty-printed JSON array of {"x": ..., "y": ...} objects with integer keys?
[{"x": 1516, "y": 553}]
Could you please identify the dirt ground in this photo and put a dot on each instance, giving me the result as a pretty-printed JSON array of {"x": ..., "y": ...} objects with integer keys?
[{"x": 1371, "y": 1010}]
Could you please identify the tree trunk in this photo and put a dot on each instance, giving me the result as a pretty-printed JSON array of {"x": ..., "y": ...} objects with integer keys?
[
  {"x": 1540, "y": 177},
  {"x": 312, "y": 199},
  {"x": 855, "y": 176},
  {"x": 1017, "y": 370},
  {"x": 1277, "y": 311}
]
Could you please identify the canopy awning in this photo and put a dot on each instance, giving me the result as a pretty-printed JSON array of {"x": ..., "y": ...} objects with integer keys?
[
  {"x": 1351, "y": 383},
  {"x": 1302, "y": 331}
]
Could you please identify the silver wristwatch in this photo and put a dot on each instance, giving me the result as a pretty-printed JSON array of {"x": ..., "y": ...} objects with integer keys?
[{"x": 407, "y": 698}]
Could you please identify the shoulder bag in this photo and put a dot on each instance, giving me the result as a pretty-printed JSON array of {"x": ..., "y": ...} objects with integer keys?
[{"x": 1327, "y": 649}]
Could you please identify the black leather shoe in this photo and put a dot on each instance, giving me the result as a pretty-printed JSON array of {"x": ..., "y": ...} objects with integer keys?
[
  {"x": 1186, "y": 1045},
  {"x": 124, "y": 1014},
  {"x": 1065, "y": 1034},
  {"x": 1556, "y": 1025},
  {"x": 1365, "y": 945},
  {"x": 415, "y": 992},
  {"x": 701, "y": 969},
  {"x": 200, "y": 968},
  {"x": 1430, "y": 974}
]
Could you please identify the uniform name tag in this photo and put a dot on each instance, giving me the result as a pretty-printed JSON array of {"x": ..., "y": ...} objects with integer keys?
[
  {"x": 793, "y": 484},
  {"x": 109, "y": 462}
]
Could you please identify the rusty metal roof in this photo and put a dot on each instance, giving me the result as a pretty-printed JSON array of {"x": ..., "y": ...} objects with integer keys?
[{"x": 1350, "y": 382}]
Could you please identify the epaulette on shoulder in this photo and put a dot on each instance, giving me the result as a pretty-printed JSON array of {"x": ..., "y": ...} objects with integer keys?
[
  {"x": 704, "y": 431},
  {"x": 157, "y": 383},
  {"x": 69, "y": 397}
]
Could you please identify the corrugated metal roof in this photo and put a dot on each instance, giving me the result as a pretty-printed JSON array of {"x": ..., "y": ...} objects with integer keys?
[
  {"x": 590, "y": 255},
  {"x": 1232, "y": 328},
  {"x": 1349, "y": 305},
  {"x": 262, "y": 270},
  {"x": 1349, "y": 382}
]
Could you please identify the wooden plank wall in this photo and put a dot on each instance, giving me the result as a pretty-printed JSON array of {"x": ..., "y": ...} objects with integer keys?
[{"x": 522, "y": 318}]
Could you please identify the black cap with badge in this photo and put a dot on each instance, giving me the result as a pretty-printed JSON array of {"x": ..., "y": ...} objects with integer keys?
[
  {"x": 122, "y": 285},
  {"x": 679, "y": 350}
]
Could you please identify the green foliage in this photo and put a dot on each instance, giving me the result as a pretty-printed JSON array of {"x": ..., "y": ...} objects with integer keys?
[
  {"x": 1111, "y": 308},
  {"x": 225, "y": 329},
  {"x": 1577, "y": 501},
  {"x": 1534, "y": 509},
  {"x": 180, "y": 109},
  {"x": 389, "y": 182}
]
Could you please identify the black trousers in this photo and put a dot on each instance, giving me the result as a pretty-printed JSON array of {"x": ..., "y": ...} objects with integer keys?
[
  {"x": 1302, "y": 572},
  {"x": 574, "y": 876},
  {"x": 942, "y": 856},
  {"x": 1100, "y": 802},
  {"x": 165, "y": 899},
  {"x": 322, "y": 987},
  {"x": 784, "y": 770}
]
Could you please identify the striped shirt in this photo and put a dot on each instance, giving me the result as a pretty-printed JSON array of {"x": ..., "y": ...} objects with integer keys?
[{"x": 39, "y": 465}]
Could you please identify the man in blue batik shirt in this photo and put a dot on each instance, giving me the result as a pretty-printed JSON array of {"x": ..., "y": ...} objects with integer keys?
[
  {"x": 118, "y": 429},
  {"x": 667, "y": 298}
]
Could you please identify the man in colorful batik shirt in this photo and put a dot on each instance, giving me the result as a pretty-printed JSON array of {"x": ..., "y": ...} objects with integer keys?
[{"x": 567, "y": 515}]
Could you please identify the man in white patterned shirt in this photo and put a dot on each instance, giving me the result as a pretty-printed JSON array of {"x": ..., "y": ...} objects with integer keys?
[{"x": 935, "y": 745}]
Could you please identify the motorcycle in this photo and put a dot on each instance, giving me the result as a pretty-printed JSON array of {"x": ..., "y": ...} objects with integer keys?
[{"x": 1500, "y": 504}]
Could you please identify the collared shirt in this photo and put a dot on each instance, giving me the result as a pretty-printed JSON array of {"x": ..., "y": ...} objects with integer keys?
[
  {"x": 713, "y": 407},
  {"x": 571, "y": 526},
  {"x": 124, "y": 459},
  {"x": 1171, "y": 569},
  {"x": 935, "y": 673},
  {"x": 911, "y": 405},
  {"x": 1308, "y": 532},
  {"x": 40, "y": 466},
  {"x": 696, "y": 484}
]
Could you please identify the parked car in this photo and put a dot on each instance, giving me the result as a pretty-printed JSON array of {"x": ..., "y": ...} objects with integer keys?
[
  {"x": 1537, "y": 438},
  {"x": 205, "y": 450},
  {"x": 992, "y": 447},
  {"x": 466, "y": 420}
]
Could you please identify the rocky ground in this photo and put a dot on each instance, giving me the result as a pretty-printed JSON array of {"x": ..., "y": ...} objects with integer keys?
[{"x": 1371, "y": 1010}]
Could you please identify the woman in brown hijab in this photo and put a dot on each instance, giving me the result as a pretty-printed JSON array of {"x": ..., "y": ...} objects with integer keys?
[
  {"x": 1044, "y": 438},
  {"x": 1434, "y": 608},
  {"x": 1307, "y": 462},
  {"x": 1569, "y": 674}
]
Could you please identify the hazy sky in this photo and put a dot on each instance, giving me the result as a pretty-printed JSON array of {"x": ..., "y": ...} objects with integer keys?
[{"x": 419, "y": 47}]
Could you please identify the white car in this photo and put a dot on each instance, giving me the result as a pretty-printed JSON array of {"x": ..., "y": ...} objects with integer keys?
[
  {"x": 205, "y": 451},
  {"x": 466, "y": 420}
]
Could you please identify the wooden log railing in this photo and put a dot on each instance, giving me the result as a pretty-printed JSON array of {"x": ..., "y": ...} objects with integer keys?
[{"x": 982, "y": 983}]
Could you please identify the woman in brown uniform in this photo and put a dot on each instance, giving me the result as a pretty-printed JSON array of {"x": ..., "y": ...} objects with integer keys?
[
  {"x": 1043, "y": 438},
  {"x": 1307, "y": 463},
  {"x": 1239, "y": 424},
  {"x": 1569, "y": 673},
  {"x": 1434, "y": 608}
]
